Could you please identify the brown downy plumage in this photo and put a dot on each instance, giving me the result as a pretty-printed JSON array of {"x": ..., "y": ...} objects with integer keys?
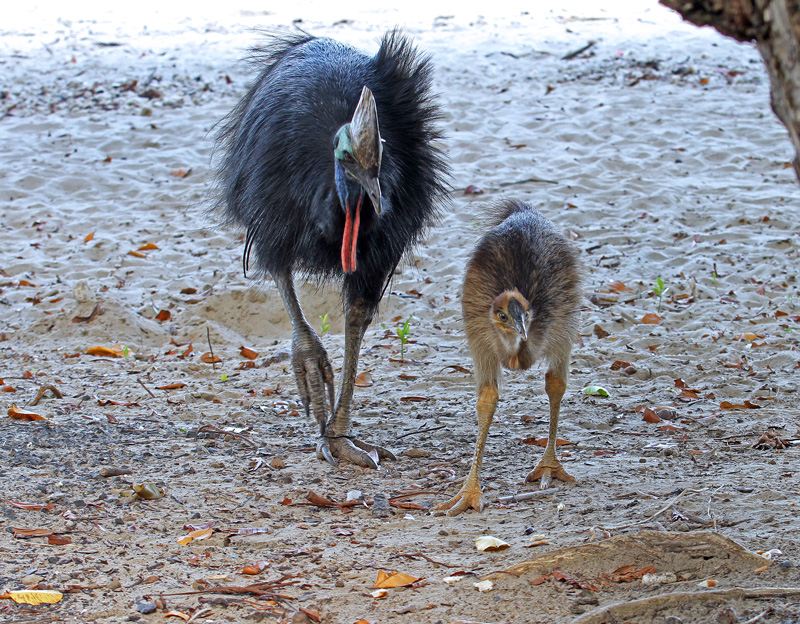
[{"x": 521, "y": 301}]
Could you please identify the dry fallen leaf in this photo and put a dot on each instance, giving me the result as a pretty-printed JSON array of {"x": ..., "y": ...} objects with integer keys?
[
  {"x": 490, "y": 543},
  {"x": 148, "y": 247},
  {"x": 363, "y": 380},
  {"x": 89, "y": 237},
  {"x": 210, "y": 359},
  {"x": 195, "y": 535},
  {"x": 248, "y": 353},
  {"x": 172, "y": 386},
  {"x": 255, "y": 568},
  {"x": 148, "y": 491},
  {"x": 394, "y": 579},
  {"x": 164, "y": 315},
  {"x": 34, "y": 596},
  {"x": 179, "y": 614},
  {"x": 20, "y": 414},
  {"x": 651, "y": 319},
  {"x": 103, "y": 351}
]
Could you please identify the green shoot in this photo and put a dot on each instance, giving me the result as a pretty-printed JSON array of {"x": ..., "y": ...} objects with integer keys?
[
  {"x": 223, "y": 377},
  {"x": 125, "y": 351},
  {"x": 326, "y": 326},
  {"x": 660, "y": 290},
  {"x": 403, "y": 333}
]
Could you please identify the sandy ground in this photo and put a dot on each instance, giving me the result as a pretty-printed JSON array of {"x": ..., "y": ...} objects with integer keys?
[{"x": 655, "y": 150}]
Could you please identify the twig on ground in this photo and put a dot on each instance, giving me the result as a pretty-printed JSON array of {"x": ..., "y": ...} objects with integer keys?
[
  {"x": 425, "y": 557},
  {"x": 420, "y": 431},
  {"x": 139, "y": 379},
  {"x": 658, "y": 513},
  {"x": 215, "y": 429},
  {"x": 42, "y": 389},
  {"x": 572, "y": 55},
  {"x": 210, "y": 348},
  {"x": 516, "y": 498}
]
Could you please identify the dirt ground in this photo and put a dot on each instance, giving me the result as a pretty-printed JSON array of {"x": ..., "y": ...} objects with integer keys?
[{"x": 654, "y": 150}]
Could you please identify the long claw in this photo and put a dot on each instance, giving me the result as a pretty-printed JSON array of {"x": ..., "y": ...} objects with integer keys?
[
  {"x": 547, "y": 472},
  {"x": 324, "y": 452},
  {"x": 352, "y": 450}
]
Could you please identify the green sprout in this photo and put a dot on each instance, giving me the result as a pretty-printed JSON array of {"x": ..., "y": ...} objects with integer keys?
[
  {"x": 660, "y": 290},
  {"x": 326, "y": 326},
  {"x": 125, "y": 351},
  {"x": 403, "y": 333},
  {"x": 223, "y": 377}
]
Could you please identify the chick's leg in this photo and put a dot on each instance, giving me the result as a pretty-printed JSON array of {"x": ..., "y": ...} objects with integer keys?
[
  {"x": 470, "y": 494},
  {"x": 549, "y": 467},
  {"x": 336, "y": 441},
  {"x": 312, "y": 368}
]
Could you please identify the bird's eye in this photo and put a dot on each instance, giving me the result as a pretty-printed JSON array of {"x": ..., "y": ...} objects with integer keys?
[
  {"x": 503, "y": 317},
  {"x": 348, "y": 157}
]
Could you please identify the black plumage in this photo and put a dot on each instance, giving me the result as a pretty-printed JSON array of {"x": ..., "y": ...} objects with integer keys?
[{"x": 306, "y": 174}]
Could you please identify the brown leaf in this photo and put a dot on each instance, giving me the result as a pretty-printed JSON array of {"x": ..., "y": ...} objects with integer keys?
[
  {"x": 407, "y": 377},
  {"x": 88, "y": 237},
  {"x": 363, "y": 380},
  {"x": 20, "y": 414},
  {"x": 31, "y": 506},
  {"x": 137, "y": 254},
  {"x": 180, "y": 173},
  {"x": 731, "y": 406},
  {"x": 319, "y": 501},
  {"x": 620, "y": 364},
  {"x": 59, "y": 540},
  {"x": 600, "y": 332},
  {"x": 459, "y": 369},
  {"x": 473, "y": 190},
  {"x": 210, "y": 359},
  {"x": 651, "y": 319},
  {"x": 248, "y": 353},
  {"x": 164, "y": 315},
  {"x": 414, "y": 399},
  {"x": 148, "y": 247},
  {"x": 195, "y": 535},
  {"x": 25, "y": 533},
  {"x": 172, "y": 386},
  {"x": 543, "y": 441},
  {"x": 650, "y": 416},
  {"x": 314, "y": 615},
  {"x": 617, "y": 287}
]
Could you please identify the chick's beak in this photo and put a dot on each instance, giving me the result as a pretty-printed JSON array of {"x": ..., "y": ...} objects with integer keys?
[{"x": 517, "y": 314}]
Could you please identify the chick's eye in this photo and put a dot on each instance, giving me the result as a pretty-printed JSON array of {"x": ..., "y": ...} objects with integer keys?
[{"x": 502, "y": 316}]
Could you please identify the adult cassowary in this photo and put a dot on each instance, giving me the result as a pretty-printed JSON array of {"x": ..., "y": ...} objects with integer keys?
[{"x": 331, "y": 167}]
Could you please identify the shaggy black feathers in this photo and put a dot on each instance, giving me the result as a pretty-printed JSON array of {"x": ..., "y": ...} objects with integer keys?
[{"x": 277, "y": 176}]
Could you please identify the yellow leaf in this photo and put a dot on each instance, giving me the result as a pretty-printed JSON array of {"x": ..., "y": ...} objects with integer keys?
[
  {"x": 395, "y": 579},
  {"x": 103, "y": 351},
  {"x": 148, "y": 247},
  {"x": 88, "y": 237},
  {"x": 179, "y": 614},
  {"x": 34, "y": 596},
  {"x": 195, "y": 535},
  {"x": 137, "y": 254}
]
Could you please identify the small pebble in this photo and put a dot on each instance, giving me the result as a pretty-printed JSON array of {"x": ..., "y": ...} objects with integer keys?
[
  {"x": 145, "y": 607},
  {"x": 785, "y": 564},
  {"x": 416, "y": 453},
  {"x": 277, "y": 463},
  {"x": 31, "y": 580}
]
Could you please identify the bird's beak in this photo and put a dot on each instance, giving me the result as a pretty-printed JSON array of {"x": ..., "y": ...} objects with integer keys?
[
  {"x": 517, "y": 313},
  {"x": 367, "y": 146}
]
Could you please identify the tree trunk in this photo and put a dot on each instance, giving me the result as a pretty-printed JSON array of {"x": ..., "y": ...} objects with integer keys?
[{"x": 774, "y": 26}]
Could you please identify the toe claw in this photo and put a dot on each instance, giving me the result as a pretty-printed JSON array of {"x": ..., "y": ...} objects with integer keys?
[{"x": 324, "y": 452}]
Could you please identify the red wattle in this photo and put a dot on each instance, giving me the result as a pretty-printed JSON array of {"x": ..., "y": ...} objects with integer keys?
[{"x": 347, "y": 240}]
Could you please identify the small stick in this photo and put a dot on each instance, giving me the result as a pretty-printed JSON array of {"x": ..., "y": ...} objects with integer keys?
[
  {"x": 42, "y": 389},
  {"x": 516, "y": 498},
  {"x": 755, "y": 619},
  {"x": 420, "y": 431},
  {"x": 572, "y": 55},
  {"x": 139, "y": 379},
  {"x": 426, "y": 558},
  {"x": 658, "y": 513},
  {"x": 210, "y": 348},
  {"x": 215, "y": 429}
]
